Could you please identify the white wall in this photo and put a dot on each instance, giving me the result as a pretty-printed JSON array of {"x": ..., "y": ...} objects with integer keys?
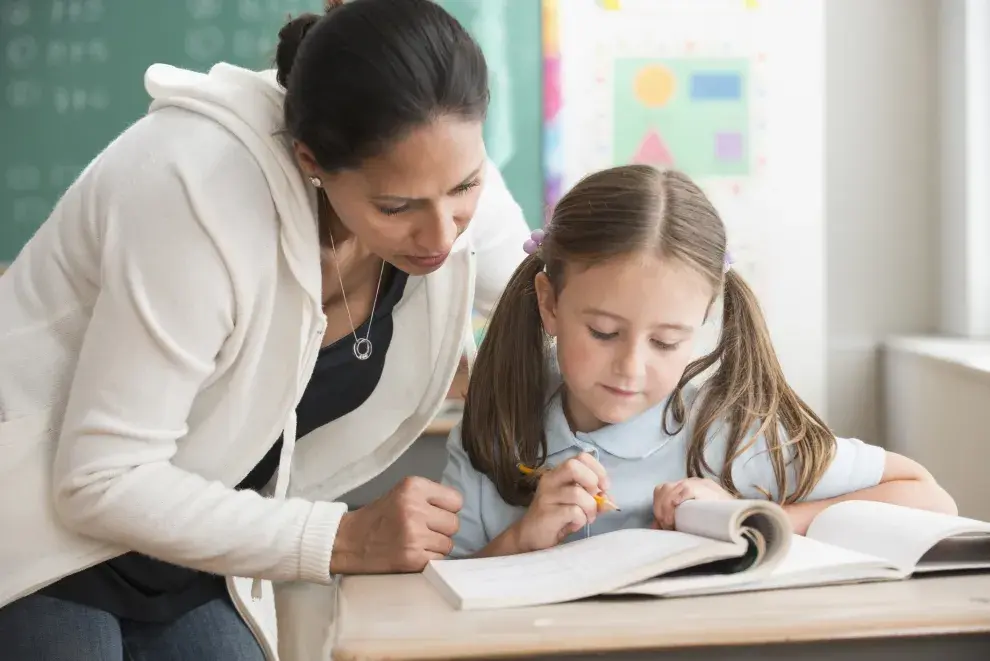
[{"x": 881, "y": 199}]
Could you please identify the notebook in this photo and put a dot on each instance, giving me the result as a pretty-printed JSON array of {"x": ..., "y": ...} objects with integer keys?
[{"x": 721, "y": 547}]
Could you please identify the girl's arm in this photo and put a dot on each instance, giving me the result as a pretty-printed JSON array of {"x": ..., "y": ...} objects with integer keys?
[
  {"x": 461, "y": 476},
  {"x": 857, "y": 471},
  {"x": 904, "y": 482}
]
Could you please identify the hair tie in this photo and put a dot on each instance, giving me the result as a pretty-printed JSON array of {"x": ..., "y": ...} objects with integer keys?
[
  {"x": 727, "y": 263},
  {"x": 533, "y": 243}
]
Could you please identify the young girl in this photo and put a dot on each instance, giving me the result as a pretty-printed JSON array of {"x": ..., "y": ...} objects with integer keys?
[{"x": 585, "y": 375}]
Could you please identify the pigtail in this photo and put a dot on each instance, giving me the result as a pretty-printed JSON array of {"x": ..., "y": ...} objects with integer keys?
[
  {"x": 506, "y": 397},
  {"x": 748, "y": 392}
]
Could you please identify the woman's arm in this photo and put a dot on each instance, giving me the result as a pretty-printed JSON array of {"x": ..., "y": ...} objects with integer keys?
[
  {"x": 165, "y": 309},
  {"x": 904, "y": 482}
]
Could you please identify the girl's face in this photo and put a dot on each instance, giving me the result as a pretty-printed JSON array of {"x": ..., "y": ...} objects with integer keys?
[
  {"x": 625, "y": 332},
  {"x": 410, "y": 203}
]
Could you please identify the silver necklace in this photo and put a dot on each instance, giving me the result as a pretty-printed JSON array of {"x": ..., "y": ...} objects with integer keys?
[{"x": 362, "y": 345}]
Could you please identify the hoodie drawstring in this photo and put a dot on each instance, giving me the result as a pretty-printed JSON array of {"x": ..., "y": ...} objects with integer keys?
[{"x": 285, "y": 456}]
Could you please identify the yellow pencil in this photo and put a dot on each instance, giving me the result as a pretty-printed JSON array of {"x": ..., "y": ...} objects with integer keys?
[{"x": 605, "y": 503}]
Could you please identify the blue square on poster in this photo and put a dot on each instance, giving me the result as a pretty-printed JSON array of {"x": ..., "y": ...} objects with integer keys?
[{"x": 716, "y": 86}]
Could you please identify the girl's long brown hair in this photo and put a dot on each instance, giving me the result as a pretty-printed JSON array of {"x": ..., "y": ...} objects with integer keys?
[{"x": 613, "y": 213}]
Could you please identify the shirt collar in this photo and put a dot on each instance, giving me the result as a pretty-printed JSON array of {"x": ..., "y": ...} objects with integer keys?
[{"x": 636, "y": 438}]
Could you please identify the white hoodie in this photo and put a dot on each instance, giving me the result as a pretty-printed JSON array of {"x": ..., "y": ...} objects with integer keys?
[{"x": 157, "y": 333}]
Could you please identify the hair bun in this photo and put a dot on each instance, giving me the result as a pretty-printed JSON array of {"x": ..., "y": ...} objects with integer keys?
[{"x": 290, "y": 37}]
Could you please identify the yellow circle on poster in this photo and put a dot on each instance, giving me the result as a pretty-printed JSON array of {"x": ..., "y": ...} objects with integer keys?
[{"x": 654, "y": 85}]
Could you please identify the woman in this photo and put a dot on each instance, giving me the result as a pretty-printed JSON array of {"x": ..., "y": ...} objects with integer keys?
[{"x": 158, "y": 337}]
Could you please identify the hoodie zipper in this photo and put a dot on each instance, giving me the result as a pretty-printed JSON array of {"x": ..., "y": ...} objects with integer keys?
[
  {"x": 311, "y": 350},
  {"x": 239, "y": 604}
]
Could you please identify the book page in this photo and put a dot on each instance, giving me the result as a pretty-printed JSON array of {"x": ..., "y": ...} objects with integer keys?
[
  {"x": 715, "y": 519},
  {"x": 811, "y": 562},
  {"x": 763, "y": 522},
  {"x": 807, "y": 562},
  {"x": 726, "y": 519},
  {"x": 900, "y": 535},
  {"x": 579, "y": 569}
]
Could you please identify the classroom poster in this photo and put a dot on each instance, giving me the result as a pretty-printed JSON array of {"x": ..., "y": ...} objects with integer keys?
[{"x": 729, "y": 91}]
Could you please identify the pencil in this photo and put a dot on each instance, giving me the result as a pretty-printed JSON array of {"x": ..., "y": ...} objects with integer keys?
[{"x": 605, "y": 503}]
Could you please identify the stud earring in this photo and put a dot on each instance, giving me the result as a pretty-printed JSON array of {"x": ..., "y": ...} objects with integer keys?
[{"x": 316, "y": 181}]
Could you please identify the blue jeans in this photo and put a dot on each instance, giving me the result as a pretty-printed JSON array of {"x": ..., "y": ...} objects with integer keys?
[{"x": 41, "y": 628}]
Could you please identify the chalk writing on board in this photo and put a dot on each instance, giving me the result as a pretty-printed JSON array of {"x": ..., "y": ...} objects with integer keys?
[
  {"x": 23, "y": 178},
  {"x": 31, "y": 210},
  {"x": 24, "y": 94},
  {"x": 67, "y": 53},
  {"x": 74, "y": 99},
  {"x": 204, "y": 9},
  {"x": 204, "y": 44},
  {"x": 21, "y": 52},
  {"x": 61, "y": 176},
  {"x": 77, "y": 11},
  {"x": 250, "y": 10},
  {"x": 248, "y": 45},
  {"x": 15, "y": 13}
]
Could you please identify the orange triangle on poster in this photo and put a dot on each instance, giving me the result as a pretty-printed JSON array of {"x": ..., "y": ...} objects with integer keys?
[{"x": 653, "y": 151}]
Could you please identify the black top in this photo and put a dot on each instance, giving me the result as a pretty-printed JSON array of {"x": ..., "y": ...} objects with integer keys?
[{"x": 137, "y": 587}]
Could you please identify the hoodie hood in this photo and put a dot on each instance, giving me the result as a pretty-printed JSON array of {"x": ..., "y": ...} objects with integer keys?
[{"x": 249, "y": 105}]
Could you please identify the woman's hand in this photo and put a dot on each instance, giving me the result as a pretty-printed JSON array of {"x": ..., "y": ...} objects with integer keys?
[
  {"x": 564, "y": 503},
  {"x": 666, "y": 497},
  {"x": 400, "y": 532}
]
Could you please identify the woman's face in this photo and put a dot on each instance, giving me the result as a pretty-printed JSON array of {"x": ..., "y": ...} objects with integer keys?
[{"x": 410, "y": 203}]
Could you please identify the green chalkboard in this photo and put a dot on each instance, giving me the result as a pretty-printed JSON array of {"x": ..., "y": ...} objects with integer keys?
[
  {"x": 510, "y": 33},
  {"x": 72, "y": 79}
]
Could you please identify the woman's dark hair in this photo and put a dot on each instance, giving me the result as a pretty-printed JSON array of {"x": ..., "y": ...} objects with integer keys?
[{"x": 366, "y": 72}]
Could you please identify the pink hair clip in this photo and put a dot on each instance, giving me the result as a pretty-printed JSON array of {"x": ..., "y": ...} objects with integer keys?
[
  {"x": 728, "y": 262},
  {"x": 534, "y": 242}
]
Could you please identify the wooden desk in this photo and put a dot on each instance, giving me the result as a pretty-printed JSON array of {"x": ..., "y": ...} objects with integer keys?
[
  {"x": 448, "y": 419},
  {"x": 442, "y": 424},
  {"x": 401, "y": 618}
]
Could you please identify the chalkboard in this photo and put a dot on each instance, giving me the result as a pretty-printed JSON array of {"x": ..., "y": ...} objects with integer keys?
[{"x": 72, "y": 79}]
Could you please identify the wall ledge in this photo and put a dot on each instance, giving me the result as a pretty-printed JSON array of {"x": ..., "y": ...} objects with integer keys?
[{"x": 968, "y": 355}]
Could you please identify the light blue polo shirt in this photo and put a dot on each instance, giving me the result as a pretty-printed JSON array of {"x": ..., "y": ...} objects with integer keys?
[{"x": 638, "y": 456}]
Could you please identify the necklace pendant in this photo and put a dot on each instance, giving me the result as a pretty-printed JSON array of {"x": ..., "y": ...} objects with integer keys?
[{"x": 362, "y": 348}]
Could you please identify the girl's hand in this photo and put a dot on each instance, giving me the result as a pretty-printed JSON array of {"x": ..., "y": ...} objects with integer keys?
[
  {"x": 666, "y": 497},
  {"x": 563, "y": 503}
]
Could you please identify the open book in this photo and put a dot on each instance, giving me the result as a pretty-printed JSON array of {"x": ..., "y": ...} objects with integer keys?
[
  {"x": 856, "y": 541},
  {"x": 730, "y": 537},
  {"x": 720, "y": 547}
]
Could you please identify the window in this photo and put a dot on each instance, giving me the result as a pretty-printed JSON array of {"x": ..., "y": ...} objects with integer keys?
[{"x": 964, "y": 52}]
